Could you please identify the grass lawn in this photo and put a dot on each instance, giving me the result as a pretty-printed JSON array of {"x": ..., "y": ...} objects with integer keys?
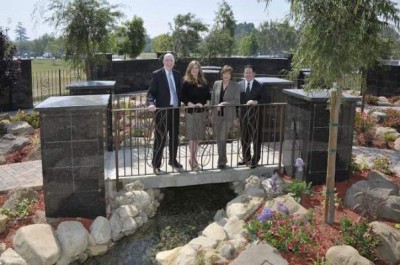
[{"x": 39, "y": 65}]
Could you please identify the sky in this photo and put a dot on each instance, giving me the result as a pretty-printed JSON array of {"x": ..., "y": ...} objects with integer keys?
[{"x": 156, "y": 14}]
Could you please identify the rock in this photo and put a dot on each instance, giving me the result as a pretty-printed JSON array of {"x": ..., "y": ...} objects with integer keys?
[
  {"x": 346, "y": 255},
  {"x": 10, "y": 257},
  {"x": 100, "y": 230},
  {"x": 219, "y": 215},
  {"x": 379, "y": 116},
  {"x": 2, "y": 248},
  {"x": 389, "y": 249},
  {"x": 292, "y": 206},
  {"x": 215, "y": 231},
  {"x": 381, "y": 131},
  {"x": 397, "y": 144},
  {"x": 234, "y": 226},
  {"x": 10, "y": 143},
  {"x": 376, "y": 197},
  {"x": 253, "y": 187},
  {"x": 136, "y": 185},
  {"x": 20, "y": 128},
  {"x": 178, "y": 256},
  {"x": 226, "y": 250},
  {"x": 260, "y": 254},
  {"x": 73, "y": 239},
  {"x": 203, "y": 242},
  {"x": 3, "y": 160},
  {"x": 3, "y": 222},
  {"x": 4, "y": 116},
  {"x": 37, "y": 243},
  {"x": 18, "y": 194},
  {"x": 243, "y": 206}
]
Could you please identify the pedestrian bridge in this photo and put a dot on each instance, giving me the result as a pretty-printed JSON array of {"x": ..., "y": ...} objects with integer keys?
[{"x": 133, "y": 130}]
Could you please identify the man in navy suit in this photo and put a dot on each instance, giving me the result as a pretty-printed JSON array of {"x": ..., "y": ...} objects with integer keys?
[
  {"x": 250, "y": 117},
  {"x": 165, "y": 93}
]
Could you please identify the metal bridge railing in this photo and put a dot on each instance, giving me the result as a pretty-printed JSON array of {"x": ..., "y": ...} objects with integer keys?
[{"x": 134, "y": 130}]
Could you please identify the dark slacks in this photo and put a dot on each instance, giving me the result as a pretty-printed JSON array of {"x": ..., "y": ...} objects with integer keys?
[
  {"x": 251, "y": 132},
  {"x": 167, "y": 121}
]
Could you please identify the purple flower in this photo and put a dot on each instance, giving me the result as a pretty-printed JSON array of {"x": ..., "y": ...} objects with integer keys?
[
  {"x": 266, "y": 214},
  {"x": 282, "y": 208}
]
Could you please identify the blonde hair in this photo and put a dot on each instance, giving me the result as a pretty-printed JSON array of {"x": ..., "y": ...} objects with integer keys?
[{"x": 190, "y": 78}]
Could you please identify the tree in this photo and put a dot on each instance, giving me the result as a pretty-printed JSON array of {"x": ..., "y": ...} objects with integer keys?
[
  {"x": 248, "y": 45},
  {"x": 220, "y": 41},
  {"x": 162, "y": 43},
  {"x": 21, "y": 39},
  {"x": 131, "y": 37},
  {"x": 85, "y": 25},
  {"x": 338, "y": 37},
  {"x": 8, "y": 67},
  {"x": 276, "y": 38},
  {"x": 186, "y": 34},
  {"x": 226, "y": 23}
]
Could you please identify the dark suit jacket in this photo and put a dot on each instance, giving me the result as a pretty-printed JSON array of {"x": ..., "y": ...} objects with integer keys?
[
  {"x": 256, "y": 92},
  {"x": 158, "y": 93}
]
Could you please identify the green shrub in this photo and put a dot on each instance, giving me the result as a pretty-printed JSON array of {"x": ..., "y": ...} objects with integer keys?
[
  {"x": 363, "y": 122},
  {"x": 31, "y": 118},
  {"x": 389, "y": 137},
  {"x": 298, "y": 188},
  {"x": 361, "y": 237},
  {"x": 382, "y": 164},
  {"x": 371, "y": 100},
  {"x": 282, "y": 232},
  {"x": 21, "y": 209}
]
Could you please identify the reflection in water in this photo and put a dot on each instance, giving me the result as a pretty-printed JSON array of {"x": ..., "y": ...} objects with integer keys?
[{"x": 183, "y": 213}]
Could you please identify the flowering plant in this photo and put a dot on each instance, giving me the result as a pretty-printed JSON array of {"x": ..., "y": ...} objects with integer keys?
[{"x": 282, "y": 232}]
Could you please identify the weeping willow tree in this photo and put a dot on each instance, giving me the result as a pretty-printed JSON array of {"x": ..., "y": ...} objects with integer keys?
[
  {"x": 338, "y": 37},
  {"x": 85, "y": 26}
]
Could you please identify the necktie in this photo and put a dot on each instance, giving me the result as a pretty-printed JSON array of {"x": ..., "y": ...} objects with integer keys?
[
  {"x": 172, "y": 91},
  {"x": 248, "y": 89}
]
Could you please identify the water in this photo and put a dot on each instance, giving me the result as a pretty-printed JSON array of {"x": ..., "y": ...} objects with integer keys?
[{"x": 183, "y": 213}]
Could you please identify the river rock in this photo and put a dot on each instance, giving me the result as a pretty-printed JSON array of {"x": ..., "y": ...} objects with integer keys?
[
  {"x": 73, "y": 239},
  {"x": 243, "y": 206},
  {"x": 346, "y": 255},
  {"x": 100, "y": 230},
  {"x": 38, "y": 244},
  {"x": 389, "y": 249},
  {"x": 10, "y": 257}
]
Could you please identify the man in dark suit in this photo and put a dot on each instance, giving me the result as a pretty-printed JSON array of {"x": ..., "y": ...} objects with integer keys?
[
  {"x": 165, "y": 93},
  {"x": 250, "y": 117}
]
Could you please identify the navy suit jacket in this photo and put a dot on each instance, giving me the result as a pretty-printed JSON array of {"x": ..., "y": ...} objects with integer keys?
[
  {"x": 256, "y": 92},
  {"x": 158, "y": 93}
]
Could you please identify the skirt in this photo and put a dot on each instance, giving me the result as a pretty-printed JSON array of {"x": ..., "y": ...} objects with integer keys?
[{"x": 195, "y": 125}]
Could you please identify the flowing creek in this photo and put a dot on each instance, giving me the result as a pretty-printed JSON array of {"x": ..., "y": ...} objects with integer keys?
[{"x": 183, "y": 213}]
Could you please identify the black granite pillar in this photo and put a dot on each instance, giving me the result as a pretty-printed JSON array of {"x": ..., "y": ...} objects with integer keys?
[
  {"x": 307, "y": 134},
  {"x": 72, "y": 141}
]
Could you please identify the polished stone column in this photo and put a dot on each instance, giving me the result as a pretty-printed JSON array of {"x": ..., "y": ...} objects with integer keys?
[{"x": 72, "y": 135}]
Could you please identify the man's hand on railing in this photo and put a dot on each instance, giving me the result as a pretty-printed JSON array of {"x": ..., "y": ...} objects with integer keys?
[
  {"x": 151, "y": 108},
  {"x": 252, "y": 102}
]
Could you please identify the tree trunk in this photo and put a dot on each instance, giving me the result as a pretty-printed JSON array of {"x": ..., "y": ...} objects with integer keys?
[{"x": 336, "y": 99}]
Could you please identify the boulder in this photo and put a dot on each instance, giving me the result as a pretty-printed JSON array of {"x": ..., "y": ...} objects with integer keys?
[
  {"x": 389, "y": 249},
  {"x": 3, "y": 223},
  {"x": 100, "y": 230},
  {"x": 10, "y": 257},
  {"x": 243, "y": 206},
  {"x": 262, "y": 253},
  {"x": 18, "y": 194},
  {"x": 38, "y": 244},
  {"x": 215, "y": 231},
  {"x": 346, "y": 255},
  {"x": 73, "y": 239},
  {"x": 397, "y": 144},
  {"x": 10, "y": 143},
  {"x": 20, "y": 128},
  {"x": 381, "y": 131}
]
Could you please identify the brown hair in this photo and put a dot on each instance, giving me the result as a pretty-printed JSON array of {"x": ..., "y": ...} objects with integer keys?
[
  {"x": 226, "y": 68},
  {"x": 190, "y": 78}
]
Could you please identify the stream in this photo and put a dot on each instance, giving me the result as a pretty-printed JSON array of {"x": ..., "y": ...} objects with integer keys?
[{"x": 183, "y": 213}]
